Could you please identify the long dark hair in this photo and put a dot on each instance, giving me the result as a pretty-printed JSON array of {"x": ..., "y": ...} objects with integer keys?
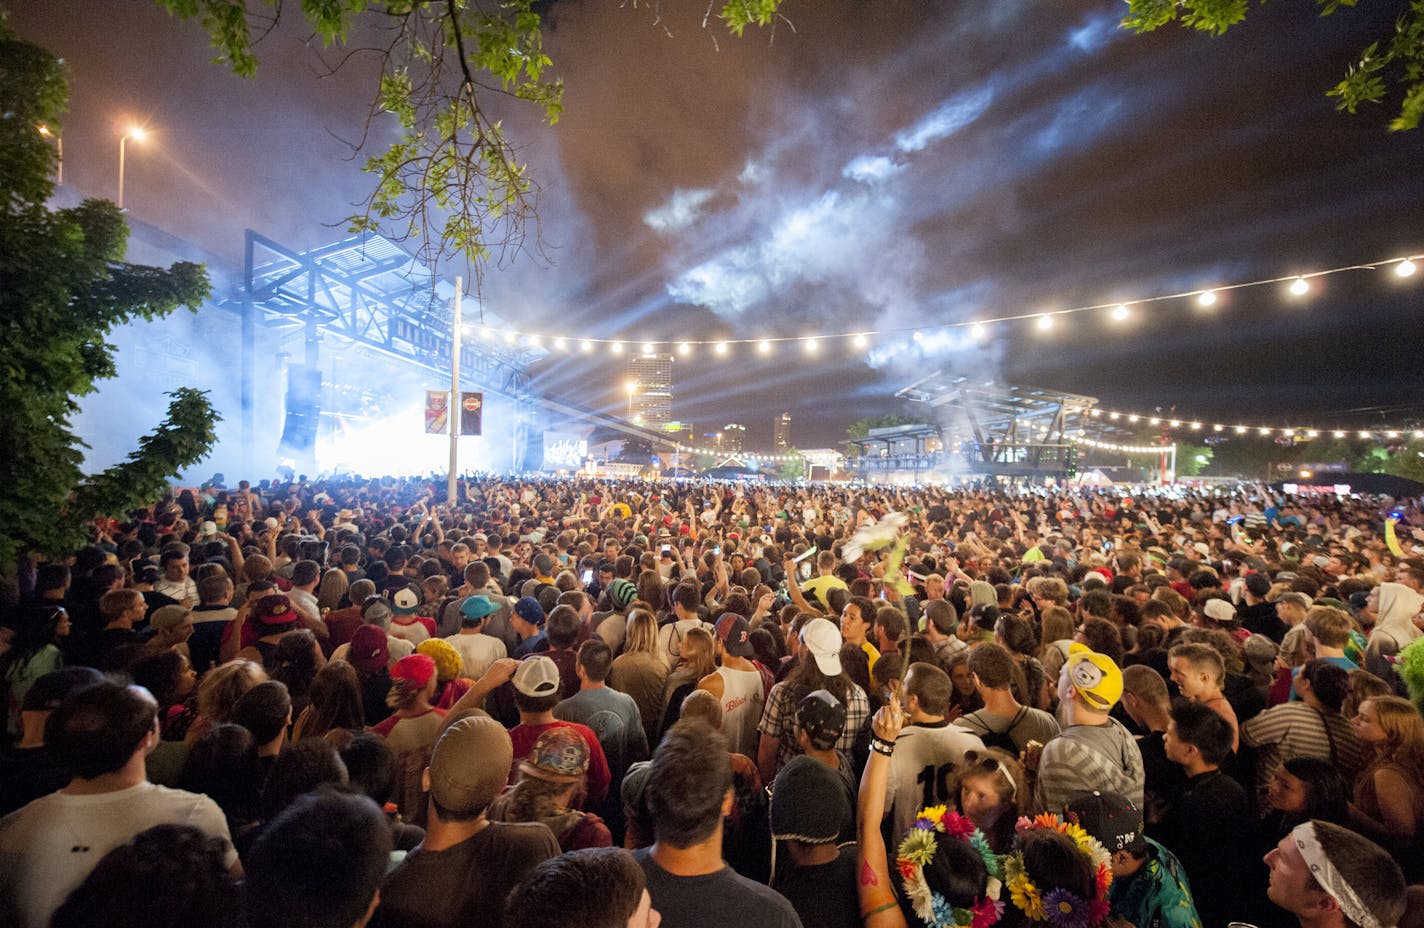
[
  {"x": 35, "y": 627},
  {"x": 806, "y": 677}
]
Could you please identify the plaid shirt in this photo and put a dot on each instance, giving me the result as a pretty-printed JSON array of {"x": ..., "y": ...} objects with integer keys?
[{"x": 778, "y": 720}]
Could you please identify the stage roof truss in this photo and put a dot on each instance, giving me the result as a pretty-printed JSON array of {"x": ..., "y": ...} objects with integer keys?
[{"x": 366, "y": 288}]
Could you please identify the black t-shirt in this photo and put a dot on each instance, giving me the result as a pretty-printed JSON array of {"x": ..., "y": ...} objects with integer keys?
[
  {"x": 823, "y": 895},
  {"x": 721, "y": 898},
  {"x": 464, "y": 886},
  {"x": 1210, "y": 829}
]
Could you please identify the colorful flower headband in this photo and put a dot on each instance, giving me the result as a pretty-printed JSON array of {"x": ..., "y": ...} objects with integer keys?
[
  {"x": 918, "y": 849},
  {"x": 1059, "y": 907}
]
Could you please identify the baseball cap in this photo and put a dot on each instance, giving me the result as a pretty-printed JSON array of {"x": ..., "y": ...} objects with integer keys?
[
  {"x": 370, "y": 650},
  {"x": 1219, "y": 610},
  {"x": 823, "y": 640},
  {"x": 621, "y": 592},
  {"x": 823, "y": 717},
  {"x": 470, "y": 764},
  {"x": 528, "y": 609},
  {"x": 405, "y": 602},
  {"x": 477, "y": 607},
  {"x": 1114, "y": 820},
  {"x": 376, "y": 610},
  {"x": 272, "y": 610},
  {"x": 416, "y": 668},
  {"x": 1094, "y": 676},
  {"x": 559, "y": 756},
  {"x": 537, "y": 676},
  {"x": 734, "y": 632}
]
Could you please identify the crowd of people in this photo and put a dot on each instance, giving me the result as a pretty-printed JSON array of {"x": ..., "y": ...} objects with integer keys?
[{"x": 614, "y": 702}]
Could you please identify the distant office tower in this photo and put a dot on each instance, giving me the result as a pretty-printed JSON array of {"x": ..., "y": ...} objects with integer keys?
[
  {"x": 734, "y": 438},
  {"x": 782, "y": 431},
  {"x": 650, "y": 390}
]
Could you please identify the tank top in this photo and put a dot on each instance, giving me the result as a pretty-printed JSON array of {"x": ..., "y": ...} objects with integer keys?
[{"x": 743, "y": 697}]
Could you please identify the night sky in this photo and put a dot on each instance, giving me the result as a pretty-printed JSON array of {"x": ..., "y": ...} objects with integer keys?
[{"x": 866, "y": 165}]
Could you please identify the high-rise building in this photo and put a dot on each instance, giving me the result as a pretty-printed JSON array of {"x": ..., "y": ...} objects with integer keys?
[
  {"x": 782, "y": 430},
  {"x": 650, "y": 390},
  {"x": 734, "y": 438}
]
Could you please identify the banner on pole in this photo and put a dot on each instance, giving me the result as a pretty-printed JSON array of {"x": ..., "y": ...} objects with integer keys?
[
  {"x": 437, "y": 416},
  {"x": 472, "y": 408}
]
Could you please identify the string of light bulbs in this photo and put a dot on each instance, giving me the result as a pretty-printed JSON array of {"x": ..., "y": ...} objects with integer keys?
[
  {"x": 1126, "y": 449},
  {"x": 1297, "y": 285},
  {"x": 1283, "y": 431}
]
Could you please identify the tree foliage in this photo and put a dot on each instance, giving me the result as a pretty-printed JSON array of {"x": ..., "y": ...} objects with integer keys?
[
  {"x": 1396, "y": 63},
  {"x": 860, "y": 428},
  {"x": 63, "y": 287},
  {"x": 452, "y": 182}
]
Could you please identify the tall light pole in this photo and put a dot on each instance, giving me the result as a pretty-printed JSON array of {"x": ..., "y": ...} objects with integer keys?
[
  {"x": 454, "y": 408},
  {"x": 59, "y": 147},
  {"x": 138, "y": 135}
]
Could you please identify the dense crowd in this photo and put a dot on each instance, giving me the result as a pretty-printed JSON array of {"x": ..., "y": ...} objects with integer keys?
[{"x": 608, "y": 703}]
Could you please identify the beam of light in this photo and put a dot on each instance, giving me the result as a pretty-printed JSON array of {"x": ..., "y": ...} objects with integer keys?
[
  {"x": 952, "y": 115},
  {"x": 871, "y": 168},
  {"x": 681, "y": 210}
]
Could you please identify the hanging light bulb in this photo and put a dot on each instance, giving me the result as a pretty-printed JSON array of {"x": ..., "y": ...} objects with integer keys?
[
  {"x": 685, "y": 348},
  {"x": 585, "y": 346},
  {"x": 721, "y": 348},
  {"x": 810, "y": 344},
  {"x": 1121, "y": 312},
  {"x": 1206, "y": 298},
  {"x": 616, "y": 347},
  {"x": 649, "y": 347},
  {"x": 511, "y": 337},
  {"x": 764, "y": 346},
  {"x": 860, "y": 341},
  {"x": 1405, "y": 268},
  {"x": 917, "y": 336},
  {"x": 1299, "y": 287},
  {"x": 560, "y": 343},
  {"x": 977, "y": 331},
  {"x": 1045, "y": 322}
]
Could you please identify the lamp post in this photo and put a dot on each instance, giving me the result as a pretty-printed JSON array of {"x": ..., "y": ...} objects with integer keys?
[
  {"x": 59, "y": 148},
  {"x": 138, "y": 135}
]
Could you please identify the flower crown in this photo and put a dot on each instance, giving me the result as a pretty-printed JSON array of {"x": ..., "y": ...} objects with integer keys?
[
  {"x": 918, "y": 849},
  {"x": 1059, "y": 907}
]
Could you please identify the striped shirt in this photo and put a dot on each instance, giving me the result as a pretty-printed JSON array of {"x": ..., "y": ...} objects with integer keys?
[
  {"x": 1088, "y": 757},
  {"x": 1294, "y": 729}
]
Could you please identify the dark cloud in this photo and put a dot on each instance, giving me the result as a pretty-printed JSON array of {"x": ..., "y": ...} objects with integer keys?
[{"x": 883, "y": 165}]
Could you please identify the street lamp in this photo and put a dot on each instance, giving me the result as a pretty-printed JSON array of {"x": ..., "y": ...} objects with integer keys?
[
  {"x": 59, "y": 147},
  {"x": 138, "y": 135}
]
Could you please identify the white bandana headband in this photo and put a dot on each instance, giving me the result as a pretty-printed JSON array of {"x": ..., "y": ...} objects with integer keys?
[{"x": 1330, "y": 879}]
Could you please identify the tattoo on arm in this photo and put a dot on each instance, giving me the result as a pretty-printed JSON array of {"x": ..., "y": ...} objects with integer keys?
[{"x": 867, "y": 875}]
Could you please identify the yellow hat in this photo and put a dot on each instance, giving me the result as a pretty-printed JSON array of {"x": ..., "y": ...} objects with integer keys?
[
  {"x": 448, "y": 663},
  {"x": 622, "y": 511},
  {"x": 1094, "y": 676}
]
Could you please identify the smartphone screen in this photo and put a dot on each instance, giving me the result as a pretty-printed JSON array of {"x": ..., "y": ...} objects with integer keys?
[{"x": 587, "y": 577}]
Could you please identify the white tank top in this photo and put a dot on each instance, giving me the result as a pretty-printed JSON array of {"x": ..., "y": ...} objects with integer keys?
[{"x": 743, "y": 698}]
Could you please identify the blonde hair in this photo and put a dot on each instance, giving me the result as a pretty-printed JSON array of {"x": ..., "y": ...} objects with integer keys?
[
  {"x": 1404, "y": 735},
  {"x": 334, "y": 585},
  {"x": 1329, "y": 626},
  {"x": 697, "y": 653},
  {"x": 642, "y": 633},
  {"x": 224, "y": 686}
]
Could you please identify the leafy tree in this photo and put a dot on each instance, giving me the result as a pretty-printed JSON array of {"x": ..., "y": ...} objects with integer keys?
[
  {"x": 451, "y": 181},
  {"x": 1395, "y": 64},
  {"x": 1193, "y": 459},
  {"x": 794, "y": 468},
  {"x": 1408, "y": 461},
  {"x": 63, "y": 287}
]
